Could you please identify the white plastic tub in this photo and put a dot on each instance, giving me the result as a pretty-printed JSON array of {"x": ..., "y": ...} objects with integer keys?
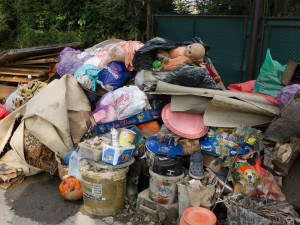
[{"x": 90, "y": 153}]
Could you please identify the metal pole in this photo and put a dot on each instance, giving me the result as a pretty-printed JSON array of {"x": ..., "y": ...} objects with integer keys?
[{"x": 253, "y": 40}]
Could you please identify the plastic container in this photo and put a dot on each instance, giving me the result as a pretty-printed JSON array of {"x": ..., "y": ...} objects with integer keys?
[
  {"x": 199, "y": 216},
  {"x": 115, "y": 155},
  {"x": 90, "y": 153},
  {"x": 149, "y": 128},
  {"x": 163, "y": 189},
  {"x": 187, "y": 125},
  {"x": 153, "y": 146},
  {"x": 104, "y": 192},
  {"x": 126, "y": 138}
]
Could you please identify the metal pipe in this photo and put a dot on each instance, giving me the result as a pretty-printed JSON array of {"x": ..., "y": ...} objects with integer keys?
[{"x": 253, "y": 41}]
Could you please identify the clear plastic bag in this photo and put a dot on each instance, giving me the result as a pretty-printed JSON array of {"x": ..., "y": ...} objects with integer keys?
[
  {"x": 74, "y": 162},
  {"x": 129, "y": 101},
  {"x": 9, "y": 103}
]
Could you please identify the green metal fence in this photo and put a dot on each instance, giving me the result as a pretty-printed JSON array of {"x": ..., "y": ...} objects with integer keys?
[{"x": 228, "y": 38}]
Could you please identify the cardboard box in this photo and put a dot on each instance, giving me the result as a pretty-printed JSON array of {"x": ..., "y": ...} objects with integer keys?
[
  {"x": 291, "y": 74},
  {"x": 136, "y": 119}
]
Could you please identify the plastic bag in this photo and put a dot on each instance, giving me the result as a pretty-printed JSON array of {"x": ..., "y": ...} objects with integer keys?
[
  {"x": 138, "y": 142},
  {"x": 185, "y": 75},
  {"x": 100, "y": 57},
  {"x": 256, "y": 181},
  {"x": 144, "y": 56},
  {"x": 222, "y": 144},
  {"x": 74, "y": 162},
  {"x": 113, "y": 75},
  {"x": 248, "y": 87},
  {"x": 139, "y": 80},
  {"x": 286, "y": 94},
  {"x": 129, "y": 101},
  {"x": 91, "y": 71},
  {"x": 70, "y": 61},
  {"x": 105, "y": 110},
  {"x": 9, "y": 103},
  {"x": 268, "y": 80}
]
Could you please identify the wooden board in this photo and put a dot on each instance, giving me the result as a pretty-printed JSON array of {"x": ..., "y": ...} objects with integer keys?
[
  {"x": 13, "y": 54},
  {"x": 20, "y": 79},
  {"x": 288, "y": 124},
  {"x": 42, "y": 56},
  {"x": 22, "y": 73},
  {"x": 31, "y": 66},
  {"x": 40, "y": 70},
  {"x": 34, "y": 61},
  {"x": 5, "y": 90}
]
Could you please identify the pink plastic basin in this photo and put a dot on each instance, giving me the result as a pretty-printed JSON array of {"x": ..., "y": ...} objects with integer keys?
[{"x": 184, "y": 124}]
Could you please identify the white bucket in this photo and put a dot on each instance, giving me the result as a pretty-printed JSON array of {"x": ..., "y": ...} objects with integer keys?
[{"x": 163, "y": 189}]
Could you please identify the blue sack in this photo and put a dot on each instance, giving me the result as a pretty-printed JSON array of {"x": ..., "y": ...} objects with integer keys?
[{"x": 114, "y": 75}]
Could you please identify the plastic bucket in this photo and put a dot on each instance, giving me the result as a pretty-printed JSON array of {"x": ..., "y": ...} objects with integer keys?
[
  {"x": 199, "y": 216},
  {"x": 104, "y": 192},
  {"x": 163, "y": 189}
]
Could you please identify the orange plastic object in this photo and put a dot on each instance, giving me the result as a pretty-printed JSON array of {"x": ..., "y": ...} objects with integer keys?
[
  {"x": 149, "y": 128},
  {"x": 198, "y": 216},
  {"x": 70, "y": 189}
]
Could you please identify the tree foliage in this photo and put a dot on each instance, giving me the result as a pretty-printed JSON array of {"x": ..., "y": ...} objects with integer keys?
[{"x": 29, "y": 23}]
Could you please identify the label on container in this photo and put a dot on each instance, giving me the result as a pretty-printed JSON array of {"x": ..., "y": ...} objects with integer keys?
[
  {"x": 93, "y": 197},
  {"x": 97, "y": 190}
]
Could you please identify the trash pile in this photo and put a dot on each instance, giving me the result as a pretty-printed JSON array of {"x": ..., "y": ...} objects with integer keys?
[{"x": 153, "y": 123}]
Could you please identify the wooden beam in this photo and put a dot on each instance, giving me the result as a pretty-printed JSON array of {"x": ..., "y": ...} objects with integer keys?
[
  {"x": 38, "y": 70},
  {"x": 22, "y": 73},
  {"x": 20, "y": 79},
  {"x": 36, "y": 61},
  {"x": 56, "y": 54}
]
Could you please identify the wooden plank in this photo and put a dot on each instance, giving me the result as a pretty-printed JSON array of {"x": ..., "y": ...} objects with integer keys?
[
  {"x": 36, "y": 66},
  {"x": 41, "y": 56},
  {"x": 20, "y": 79},
  {"x": 36, "y": 61},
  {"x": 38, "y": 70},
  {"x": 12, "y": 54},
  {"x": 288, "y": 124},
  {"x": 22, "y": 73},
  {"x": 5, "y": 90}
]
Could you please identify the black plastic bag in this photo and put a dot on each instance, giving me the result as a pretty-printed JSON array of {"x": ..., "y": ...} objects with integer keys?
[{"x": 144, "y": 57}]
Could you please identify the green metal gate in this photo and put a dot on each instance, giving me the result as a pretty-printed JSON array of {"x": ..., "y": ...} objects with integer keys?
[{"x": 228, "y": 38}]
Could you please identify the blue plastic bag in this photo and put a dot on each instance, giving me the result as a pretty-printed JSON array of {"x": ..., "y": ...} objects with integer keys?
[
  {"x": 212, "y": 142},
  {"x": 113, "y": 75}
]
